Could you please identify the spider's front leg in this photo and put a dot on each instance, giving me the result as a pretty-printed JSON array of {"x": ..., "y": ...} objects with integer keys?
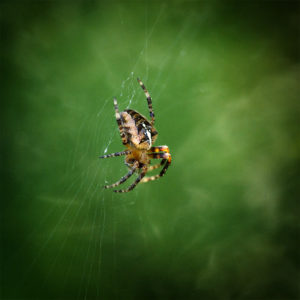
[
  {"x": 160, "y": 152},
  {"x": 133, "y": 185},
  {"x": 154, "y": 167},
  {"x": 124, "y": 178},
  {"x": 156, "y": 150}
]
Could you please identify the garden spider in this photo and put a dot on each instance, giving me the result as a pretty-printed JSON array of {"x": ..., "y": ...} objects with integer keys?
[{"x": 138, "y": 135}]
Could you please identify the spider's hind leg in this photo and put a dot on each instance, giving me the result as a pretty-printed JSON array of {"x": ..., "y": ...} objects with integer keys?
[
  {"x": 119, "y": 122},
  {"x": 149, "y": 100}
]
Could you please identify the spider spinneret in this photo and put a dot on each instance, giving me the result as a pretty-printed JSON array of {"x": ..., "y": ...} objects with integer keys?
[{"x": 138, "y": 135}]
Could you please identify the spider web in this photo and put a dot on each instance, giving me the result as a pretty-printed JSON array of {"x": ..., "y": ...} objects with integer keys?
[
  {"x": 80, "y": 225},
  {"x": 212, "y": 82}
]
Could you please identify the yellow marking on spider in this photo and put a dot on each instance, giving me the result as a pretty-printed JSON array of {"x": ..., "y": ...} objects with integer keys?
[{"x": 165, "y": 149}]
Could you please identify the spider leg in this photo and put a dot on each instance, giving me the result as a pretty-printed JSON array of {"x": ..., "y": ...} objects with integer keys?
[
  {"x": 115, "y": 154},
  {"x": 163, "y": 155},
  {"x": 133, "y": 185},
  {"x": 124, "y": 178},
  {"x": 149, "y": 100},
  {"x": 156, "y": 150},
  {"x": 151, "y": 168},
  {"x": 119, "y": 121},
  {"x": 159, "y": 149},
  {"x": 166, "y": 159}
]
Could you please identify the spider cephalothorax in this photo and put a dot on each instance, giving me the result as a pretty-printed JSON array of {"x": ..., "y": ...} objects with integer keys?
[{"x": 138, "y": 135}]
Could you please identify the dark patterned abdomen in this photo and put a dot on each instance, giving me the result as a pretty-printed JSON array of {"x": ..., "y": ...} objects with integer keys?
[{"x": 138, "y": 130}]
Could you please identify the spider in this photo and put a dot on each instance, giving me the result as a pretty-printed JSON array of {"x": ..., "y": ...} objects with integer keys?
[{"x": 138, "y": 135}]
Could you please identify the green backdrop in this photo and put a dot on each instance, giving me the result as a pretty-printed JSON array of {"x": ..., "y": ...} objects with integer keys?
[{"x": 223, "y": 223}]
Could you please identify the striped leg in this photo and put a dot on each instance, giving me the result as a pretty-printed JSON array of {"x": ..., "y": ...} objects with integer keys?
[
  {"x": 160, "y": 152},
  {"x": 149, "y": 100},
  {"x": 115, "y": 154},
  {"x": 166, "y": 159},
  {"x": 159, "y": 149},
  {"x": 151, "y": 168},
  {"x": 119, "y": 121},
  {"x": 124, "y": 178},
  {"x": 132, "y": 186}
]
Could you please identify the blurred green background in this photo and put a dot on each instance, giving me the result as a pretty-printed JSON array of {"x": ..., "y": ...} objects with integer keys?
[{"x": 224, "y": 221}]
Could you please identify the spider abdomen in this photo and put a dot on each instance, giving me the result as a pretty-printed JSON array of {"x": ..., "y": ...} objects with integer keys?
[{"x": 138, "y": 130}]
